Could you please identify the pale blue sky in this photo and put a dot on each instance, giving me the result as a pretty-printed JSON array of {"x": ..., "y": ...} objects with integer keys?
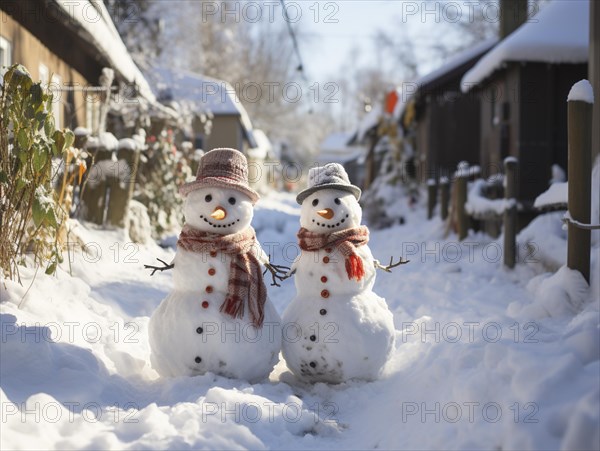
[{"x": 326, "y": 44}]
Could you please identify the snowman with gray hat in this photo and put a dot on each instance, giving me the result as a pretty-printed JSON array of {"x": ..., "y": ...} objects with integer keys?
[{"x": 336, "y": 328}]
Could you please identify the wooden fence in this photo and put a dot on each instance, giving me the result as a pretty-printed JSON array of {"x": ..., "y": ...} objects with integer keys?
[{"x": 579, "y": 194}]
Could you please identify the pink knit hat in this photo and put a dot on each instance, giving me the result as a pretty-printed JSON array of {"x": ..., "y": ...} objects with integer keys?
[{"x": 222, "y": 168}]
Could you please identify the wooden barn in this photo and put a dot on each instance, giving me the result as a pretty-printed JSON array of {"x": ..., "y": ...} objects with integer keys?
[
  {"x": 67, "y": 45},
  {"x": 439, "y": 121},
  {"x": 523, "y": 83}
]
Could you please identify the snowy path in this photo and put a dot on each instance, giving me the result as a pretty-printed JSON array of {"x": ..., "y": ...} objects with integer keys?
[{"x": 472, "y": 368}]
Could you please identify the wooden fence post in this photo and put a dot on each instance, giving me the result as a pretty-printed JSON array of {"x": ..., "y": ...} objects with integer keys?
[
  {"x": 94, "y": 194},
  {"x": 510, "y": 212},
  {"x": 444, "y": 197},
  {"x": 462, "y": 218},
  {"x": 431, "y": 197},
  {"x": 580, "y": 107},
  {"x": 121, "y": 184}
]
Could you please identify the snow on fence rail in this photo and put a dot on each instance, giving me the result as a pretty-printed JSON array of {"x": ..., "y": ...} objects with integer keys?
[
  {"x": 476, "y": 200},
  {"x": 555, "y": 197},
  {"x": 481, "y": 207}
]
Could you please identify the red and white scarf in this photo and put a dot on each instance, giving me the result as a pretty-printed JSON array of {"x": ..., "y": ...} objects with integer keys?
[
  {"x": 245, "y": 275},
  {"x": 346, "y": 241}
]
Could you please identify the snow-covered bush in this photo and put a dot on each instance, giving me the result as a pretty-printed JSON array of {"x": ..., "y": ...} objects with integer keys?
[
  {"x": 163, "y": 168},
  {"x": 394, "y": 191}
]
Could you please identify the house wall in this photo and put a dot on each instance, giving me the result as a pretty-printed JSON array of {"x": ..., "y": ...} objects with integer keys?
[
  {"x": 422, "y": 134},
  {"x": 226, "y": 132},
  {"x": 543, "y": 138},
  {"x": 448, "y": 126},
  {"x": 500, "y": 123},
  {"x": 454, "y": 131},
  {"x": 29, "y": 51},
  {"x": 524, "y": 114}
]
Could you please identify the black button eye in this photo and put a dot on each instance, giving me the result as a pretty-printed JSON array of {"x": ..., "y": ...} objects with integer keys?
[
  {"x": 337, "y": 201},
  {"x": 208, "y": 198},
  {"x": 231, "y": 200},
  {"x": 315, "y": 202}
]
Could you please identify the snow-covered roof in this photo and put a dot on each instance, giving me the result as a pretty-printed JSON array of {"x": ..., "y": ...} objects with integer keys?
[
  {"x": 210, "y": 94},
  {"x": 449, "y": 65},
  {"x": 458, "y": 60},
  {"x": 207, "y": 94},
  {"x": 558, "y": 34},
  {"x": 93, "y": 17},
  {"x": 337, "y": 141},
  {"x": 369, "y": 120},
  {"x": 334, "y": 148},
  {"x": 263, "y": 145}
]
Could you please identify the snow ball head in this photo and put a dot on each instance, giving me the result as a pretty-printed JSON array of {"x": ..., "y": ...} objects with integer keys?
[
  {"x": 218, "y": 210},
  {"x": 328, "y": 210}
]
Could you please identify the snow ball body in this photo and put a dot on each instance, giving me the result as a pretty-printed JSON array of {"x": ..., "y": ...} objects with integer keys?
[
  {"x": 188, "y": 334},
  {"x": 335, "y": 329}
]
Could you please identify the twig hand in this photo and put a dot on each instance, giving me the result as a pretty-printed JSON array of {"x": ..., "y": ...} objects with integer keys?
[
  {"x": 389, "y": 267},
  {"x": 165, "y": 267},
  {"x": 278, "y": 272}
]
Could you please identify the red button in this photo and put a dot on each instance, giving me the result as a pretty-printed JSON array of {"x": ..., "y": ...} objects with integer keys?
[
  {"x": 213, "y": 253},
  {"x": 327, "y": 249},
  {"x": 325, "y": 259},
  {"x": 209, "y": 289},
  {"x": 212, "y": 272},
  {"x": 205, "y": 304},
  {"x": 323, "y": 279},
  {"x": 325, "y": 294}
]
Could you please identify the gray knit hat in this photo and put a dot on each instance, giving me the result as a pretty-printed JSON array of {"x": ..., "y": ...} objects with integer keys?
[
  {"x": 222, "y": 168},
  {"x": 330, "y": 176}
]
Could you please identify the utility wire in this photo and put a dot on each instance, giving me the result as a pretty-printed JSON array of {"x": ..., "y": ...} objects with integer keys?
[{"x": 294, "y": 41}]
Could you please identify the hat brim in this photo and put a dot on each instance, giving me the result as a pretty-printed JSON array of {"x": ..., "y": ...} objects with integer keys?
[
  {"x": 355, "y": 190},
  {"x": 218, "y": 182}
]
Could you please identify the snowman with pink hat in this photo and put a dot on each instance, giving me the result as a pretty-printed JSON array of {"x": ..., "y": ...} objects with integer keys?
[{"x": 218, "y": 317}]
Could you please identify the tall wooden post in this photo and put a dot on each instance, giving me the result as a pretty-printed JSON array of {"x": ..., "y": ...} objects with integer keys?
[
  {"x": 580, "y": 109},
  {"x": 510, "y": 212},
  {"x": 444, "y": 197},
  {"x": 462, "y": 218},
  {"x": 431, "y": 197},
  {"x": 94, "y": 193},
  {"x": 370, "y": 160},
  {"x": 594, "y": 74},
  {"x": 121, "y": 183}
]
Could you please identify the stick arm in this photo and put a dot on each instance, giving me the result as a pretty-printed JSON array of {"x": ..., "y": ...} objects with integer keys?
[
  {"x": 388, "y": 268},
  {"x": 165, "y": 267}
]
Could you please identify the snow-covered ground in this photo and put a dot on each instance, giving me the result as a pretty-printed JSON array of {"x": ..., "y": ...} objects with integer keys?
[{"x": 486, "y": 358}]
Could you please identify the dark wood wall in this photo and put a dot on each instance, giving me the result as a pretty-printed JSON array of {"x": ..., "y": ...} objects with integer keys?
[
  {"x": 500, "y": 120},
  {"x": 524, "y": 114},
  {"x": 448, "y": 129},
  {"x": 453, "y": 131}
]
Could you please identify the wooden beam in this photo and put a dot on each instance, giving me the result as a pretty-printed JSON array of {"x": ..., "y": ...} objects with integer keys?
[
  {"x": 510, "y": 212},
  {"x": 462, "y": 218},
  {"x": 580, "y": 178},
  {"x": 594, "y": 73}
]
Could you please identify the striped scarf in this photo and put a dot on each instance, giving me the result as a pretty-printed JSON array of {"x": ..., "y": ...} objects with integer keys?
[
  {"x": 245, "y": 275},
  {"x": 346, "y": 241}
]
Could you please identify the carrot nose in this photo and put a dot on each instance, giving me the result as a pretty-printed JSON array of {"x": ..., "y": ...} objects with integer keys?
[
  {"x": 327, "y": 213},
  {"x": 219, "y": 213}
]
